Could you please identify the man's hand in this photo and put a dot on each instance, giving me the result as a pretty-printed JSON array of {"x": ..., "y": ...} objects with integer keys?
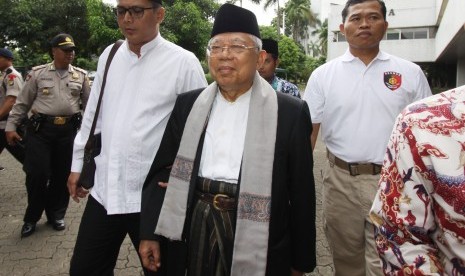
[
  {"x": 75, "y": 191},
  {"x": 12, "y": 137},
  {"x": 149, "y": 252}
]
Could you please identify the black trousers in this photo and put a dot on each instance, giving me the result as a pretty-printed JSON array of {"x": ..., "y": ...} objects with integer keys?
[
  {"x": 16, "y": 150},
  {"x": 47, "y": 165},
  {"x": 99, "y": 240}
]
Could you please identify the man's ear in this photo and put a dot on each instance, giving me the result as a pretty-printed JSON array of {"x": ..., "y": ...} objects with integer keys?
[
  {"x": 261, "y": 58},
  {"x": 277, "y": 62},
  {"x": 160, "y": 14}
]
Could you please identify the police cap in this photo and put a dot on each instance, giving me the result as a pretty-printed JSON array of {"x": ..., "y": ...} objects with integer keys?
[
  {"x": 6, "y": 53},
  {"x": 63, "y": 41}
]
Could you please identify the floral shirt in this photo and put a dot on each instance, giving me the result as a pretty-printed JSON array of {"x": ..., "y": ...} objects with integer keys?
[
  {"x": 419, "y": 210},
  {"x": 283, "y": 86}
]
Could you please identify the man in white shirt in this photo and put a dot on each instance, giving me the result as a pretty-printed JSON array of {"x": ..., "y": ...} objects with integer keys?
[
  {"x": 355, "y": 99},
  {"x": 145, "y": 78}
]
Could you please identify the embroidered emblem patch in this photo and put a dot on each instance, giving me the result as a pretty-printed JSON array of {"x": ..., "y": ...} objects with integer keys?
[
  {"x": 11, "y": 79},
  {"x": 182, "y": 168},
  {"x": 254, "y": 207},
  {"x": 392, "y": 80}
]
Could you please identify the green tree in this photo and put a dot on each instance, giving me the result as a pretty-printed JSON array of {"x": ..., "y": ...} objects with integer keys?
[
  {"x": 291, "y": 57},
  {"x": 269, "y": 32},
  {"x": 102, "y": 24},
  {"x": 321, "y": 31},
  {"x": 29, "y": 24},
  {"x": 188, "y": 25},
  {"x": 310, "y": 64},
  {"x": 299, "y": 16}
]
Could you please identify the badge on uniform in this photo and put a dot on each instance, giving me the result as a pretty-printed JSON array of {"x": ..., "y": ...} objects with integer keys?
[
  {"x": 392, "y": 80},
  {"x": 45, "y": 91},
  {"x": 11, "y": 79},
  {"x": 75, "y": 76}
]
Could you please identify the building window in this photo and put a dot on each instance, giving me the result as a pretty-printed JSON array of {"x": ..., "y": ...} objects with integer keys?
[
  {"x": 420, "y": 34},
  {"x": 397, "y": 34},
  {"x": 392, "y": 35},
  {"x": 406, "y": 35},
  {"x": 414, "y": 33}
]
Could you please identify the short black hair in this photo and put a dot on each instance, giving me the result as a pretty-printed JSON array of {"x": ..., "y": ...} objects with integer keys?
[
  {"x": 349, "y": 3},
  {"x": 156, "y": 4}
]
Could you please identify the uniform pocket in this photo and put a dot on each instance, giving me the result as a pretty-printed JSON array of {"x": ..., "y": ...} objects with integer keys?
[
  {"x": 46, "y": 88},
  {"x": 75, "y": 88}
]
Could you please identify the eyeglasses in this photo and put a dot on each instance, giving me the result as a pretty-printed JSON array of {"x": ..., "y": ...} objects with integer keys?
[
  {"x": 215, "y": 50},
  {"x": 134, "y": 12}
]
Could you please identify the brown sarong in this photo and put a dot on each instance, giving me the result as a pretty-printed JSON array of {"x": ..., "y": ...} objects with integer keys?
[{"x": 211, "y": 236}]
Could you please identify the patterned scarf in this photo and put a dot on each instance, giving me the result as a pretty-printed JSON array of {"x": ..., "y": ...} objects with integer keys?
[{"x": 254, "y": 202}]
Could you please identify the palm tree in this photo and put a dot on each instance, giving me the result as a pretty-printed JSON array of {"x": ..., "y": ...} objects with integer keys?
[
  {"x": 300, "y": 15},
  {"x": 268, "y": 3},
  {"x": 322, "y": 32},
  {"x": 313, "y": 48}
]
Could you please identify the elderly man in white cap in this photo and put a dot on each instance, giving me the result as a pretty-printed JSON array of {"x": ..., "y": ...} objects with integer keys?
[{"x": 240, "y": 199}]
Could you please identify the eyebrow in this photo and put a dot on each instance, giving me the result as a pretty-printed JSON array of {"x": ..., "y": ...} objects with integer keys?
[
  {"x": 234, "y": 40},
  {"x": 367, "y": 14}
]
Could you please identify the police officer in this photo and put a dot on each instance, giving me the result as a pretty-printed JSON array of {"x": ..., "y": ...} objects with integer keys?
[
  {"x": 53, "y": 94},
  {"x": 11, "y": 83}
]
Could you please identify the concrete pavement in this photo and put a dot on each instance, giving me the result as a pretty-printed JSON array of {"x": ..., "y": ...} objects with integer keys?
[{"x": 48, "y": 252}]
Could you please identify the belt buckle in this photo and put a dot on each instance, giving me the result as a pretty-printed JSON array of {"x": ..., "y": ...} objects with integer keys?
[
  {"x": 216, "y": 202},
  {"x": 376, "y": 169},
  {"x": 59, "y": 120},
  {"x": 353, "y": 169}
]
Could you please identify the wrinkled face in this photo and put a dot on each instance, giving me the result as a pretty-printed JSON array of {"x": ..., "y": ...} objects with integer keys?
[
  {"x": 142, "y": 26},
  {"x": 365, "y": 26},
  {"x": 234, "y": 66},
  {"x": 62, "y": 58},
  {"x": 268, "y": 67}
]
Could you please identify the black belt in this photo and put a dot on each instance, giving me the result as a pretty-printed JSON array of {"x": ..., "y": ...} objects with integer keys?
[
  {"x": 57, "y": 120},
  {"x": 220, "y": 202},
  {"x": 354, "y": 168}
]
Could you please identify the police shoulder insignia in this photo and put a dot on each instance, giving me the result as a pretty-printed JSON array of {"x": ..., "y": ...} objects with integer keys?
[
  {"x": 392, "y": 80},
  {"x": 75, "y": 76},
  {"x": 80, "y": 70},
  {"x": 11, "y": 79}
]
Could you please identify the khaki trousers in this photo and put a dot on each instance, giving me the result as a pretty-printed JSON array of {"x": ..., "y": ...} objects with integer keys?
[{"x": 346, "y": 204}]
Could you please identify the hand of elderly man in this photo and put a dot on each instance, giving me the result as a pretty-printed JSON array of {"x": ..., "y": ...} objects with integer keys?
[{"x": 149, "y": 252}]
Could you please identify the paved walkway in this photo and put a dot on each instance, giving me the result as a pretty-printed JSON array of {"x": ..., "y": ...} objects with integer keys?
[{"x": 48, "y": 252}]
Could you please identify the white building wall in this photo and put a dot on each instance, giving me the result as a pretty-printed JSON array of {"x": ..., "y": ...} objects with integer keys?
[
  {"x": 404, "y": 14},
  {"x": 451, "y": 23},
  {"x": 416, "y": 50},
  {"x": 411, "y": 13}
]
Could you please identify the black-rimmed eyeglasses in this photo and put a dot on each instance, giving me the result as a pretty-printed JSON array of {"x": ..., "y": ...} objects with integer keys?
[
  {"x": 215, "y": 50},
  {"x": 134, "y": 12}
]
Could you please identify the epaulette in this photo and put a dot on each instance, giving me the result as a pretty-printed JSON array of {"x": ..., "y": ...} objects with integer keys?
[
  {"x": 35, "y": 68},
  {"x": 80, "y": 70}
]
